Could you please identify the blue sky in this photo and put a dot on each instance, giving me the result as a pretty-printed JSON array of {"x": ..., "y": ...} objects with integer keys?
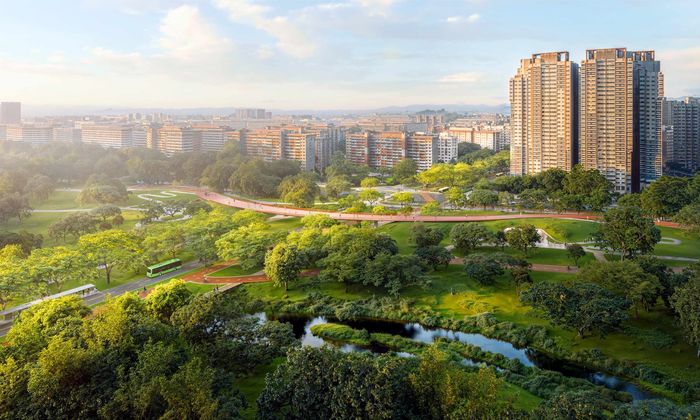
[{"x": 336, "y": 54}]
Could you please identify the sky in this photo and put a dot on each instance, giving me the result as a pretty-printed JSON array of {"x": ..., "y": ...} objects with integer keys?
[{"x": 303, "y": 54}]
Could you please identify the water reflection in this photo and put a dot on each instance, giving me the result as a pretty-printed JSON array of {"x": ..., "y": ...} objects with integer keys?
[{"x": 301, "y": 325}]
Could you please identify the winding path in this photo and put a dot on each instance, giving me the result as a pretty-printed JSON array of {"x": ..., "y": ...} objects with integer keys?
[{"x": 299, "y": 212}]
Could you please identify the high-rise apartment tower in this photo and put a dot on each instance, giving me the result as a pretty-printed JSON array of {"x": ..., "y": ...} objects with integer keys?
[
  {"x": 620, "y": 132},
  {"x": 544, "y": 114}
]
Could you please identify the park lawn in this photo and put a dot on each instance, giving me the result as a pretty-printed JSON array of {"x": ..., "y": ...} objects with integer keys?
[
  {"x": 549, "y": 256},
  {"x": 401, "y": 233},
  {"x": 560, "y": 230},
  {"x": 60, "y": 200},
  {"x": 234, "y": 270},
  {"x": 252, "y": 385},
  {"x": 689, "y": 246},
  {"x": 288, "y": 224},
  {"x": 38, "y": 223}
]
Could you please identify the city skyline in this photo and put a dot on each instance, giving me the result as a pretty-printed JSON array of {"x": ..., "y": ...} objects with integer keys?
[{"x": 360, "y": 54}]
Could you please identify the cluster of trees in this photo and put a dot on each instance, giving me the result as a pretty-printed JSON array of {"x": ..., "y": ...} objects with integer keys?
[
  {"x": 603, "y": 293},
  {"x": 171, "y": 355},
  {"x": 428, "y": 249},
  {"x": 326, "y": 383},
  {"x": 463, "y": 174},
  {"x": 17, "y": 187},
  {"x": 552, "y": 189}
]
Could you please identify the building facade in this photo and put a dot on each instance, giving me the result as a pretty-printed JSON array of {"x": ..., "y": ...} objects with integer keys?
[
  {"x": 173, "y": 139},
  {"x": 681, "y": 120},
  {"x": 422, "y": 149},
  {"x": 620, "y": 118},
  {"x": 447, "y": 147},
  {"x": 544, "y": 114}
]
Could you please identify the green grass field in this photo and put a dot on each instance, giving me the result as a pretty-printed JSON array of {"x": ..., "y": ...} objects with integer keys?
[
  {"x": 689, "y": 246},
  {"x": 252, "y": 385},
  {"x": 234, "y": 270}
]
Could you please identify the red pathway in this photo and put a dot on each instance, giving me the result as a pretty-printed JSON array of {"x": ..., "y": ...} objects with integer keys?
[{"x": 299, "y": 212}]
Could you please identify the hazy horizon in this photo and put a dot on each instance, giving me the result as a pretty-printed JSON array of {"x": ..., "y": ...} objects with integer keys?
[{"x": 308, "y": 55}]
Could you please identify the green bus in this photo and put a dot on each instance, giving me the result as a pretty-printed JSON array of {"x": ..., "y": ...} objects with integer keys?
[{"x": 163, "y": 267}]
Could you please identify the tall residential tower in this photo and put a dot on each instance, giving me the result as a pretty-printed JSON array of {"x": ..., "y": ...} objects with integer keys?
[
  {"x": 544, "y": 114},
  {"x": 620, "y": 134}
]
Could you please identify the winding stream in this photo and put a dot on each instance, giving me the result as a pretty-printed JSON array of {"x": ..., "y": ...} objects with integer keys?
[{"x": 301, "y": 325}]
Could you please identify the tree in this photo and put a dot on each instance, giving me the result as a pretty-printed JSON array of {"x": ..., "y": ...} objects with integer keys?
[
  {"x": 318, "y": 221},
  {"x": 443, "y": 391},
  {"x": 393, "y": 272},
  {"x": 13, "y": 283},
  {"x": 575, "y": 252},
  {"x": 665, "y": 196},
  {"x": 247, "y": 244},
  {"x": 14, "y": 205},
  {"x": 572, "y": 405},
  {"x": 404, "y": 198},
  {"x": 523, "y": 237},
  {"x": 283, "y": 264},
  {"x": 76, "y": 224},
  {"x": 483, "y": 198},
  {"x": 583, "y": 307},
  {"x": 370, "y": 195},
  {"x": 27, "y": 241},
  {"x": 434, "y": 256},
  {"x": 485, "y": 268},
  {"x": 55, "y": 266},
  {"x": 338, "y": 185},
  {"x": 167, "y": 239},
  {"x": 102, "y": 189},
  {"x": 152, "y": 210},
  {"x": 424, "y": 236},
  {"x": 627, "y": 231},
  {"x": 455, "y": 196},
  {"x": 686, "y": 303},
  {"x": 111, "y": 248},
  {"x": 499, "y": 239},
  {"x": 625, "y": 278},
  {"x": 369, "y": 182},
  {"x": 521, "y": 276},
  {"x": 466, "y": 237},
  {"x": 689, "y": 218},
  {"x": 300, "y": 190},
  {"x": 590, "y": 186},
  {"x": 195, "y": 206},
  {"x": 405, "y": 170},
  {"x": 106, "y": 211},
  {"x": 532, "y": 198},
  {"x": 167, "y": 298},
  {"x": 40, "y": 187},
  {"x": 324, "y": 383}
]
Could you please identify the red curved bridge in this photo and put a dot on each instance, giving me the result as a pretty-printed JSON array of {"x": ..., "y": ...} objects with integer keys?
[{"x": 299, "y": 212}]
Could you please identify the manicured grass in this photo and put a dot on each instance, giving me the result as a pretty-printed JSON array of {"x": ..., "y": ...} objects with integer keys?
[
  {"x": 60, "y": 200},
  {"x": 561, "y": 230},
  {"x": 234, "y": 270},
  {"x": 549, "y": 256},
  {"x": 38, "y": 223},
  {"x": 285, "y": 225},
  {"x": 689, "y": 246},
  {"x": 251, "y": 386}
]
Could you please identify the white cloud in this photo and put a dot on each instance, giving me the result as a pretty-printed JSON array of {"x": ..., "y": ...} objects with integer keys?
[
  {"x": 464, "y": 77},
  {"x": 186, "y": 35},
  {"x": 377, "y": 7},
  {"x": 265, "y": 52},
  {"x": 473, "y": 18},
  {"x": 291, "y": 39}
]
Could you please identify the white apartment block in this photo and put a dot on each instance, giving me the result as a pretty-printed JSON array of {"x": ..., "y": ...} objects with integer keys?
[
  {"x": 35, "y": 134},
  {"x": 447, "y": 147}
]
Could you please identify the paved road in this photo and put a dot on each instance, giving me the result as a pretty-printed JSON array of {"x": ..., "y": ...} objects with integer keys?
[
  {"x": 298, "y": 212},
  {"x": 123, "y": 288}
]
